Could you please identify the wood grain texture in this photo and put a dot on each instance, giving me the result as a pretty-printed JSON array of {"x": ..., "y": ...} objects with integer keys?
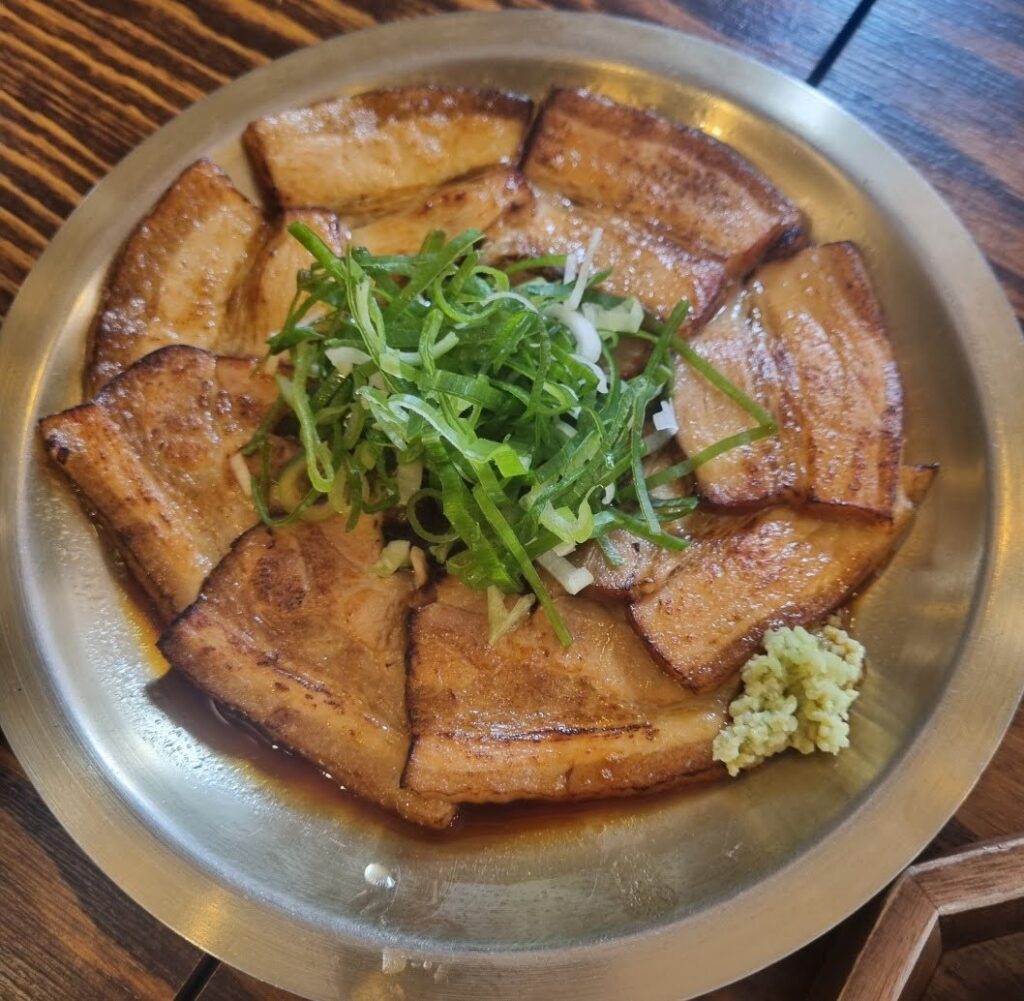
[
  {"x": 995, "y": 807},
  {"x": 66, "y": 932},
  {"x": 83, "y": 83},
  {"x": 227, "y": 984},
  {"x": 943, "y": 81},
  {"x": 971, "y": 896},
  {"x": 993, "y": 971}
]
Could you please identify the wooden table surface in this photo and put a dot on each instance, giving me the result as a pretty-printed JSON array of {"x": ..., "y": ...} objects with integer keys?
[{"x": 82, "y": 83}]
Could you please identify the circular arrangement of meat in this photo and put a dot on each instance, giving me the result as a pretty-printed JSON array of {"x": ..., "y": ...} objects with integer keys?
[{"x": 392, "y": 687}]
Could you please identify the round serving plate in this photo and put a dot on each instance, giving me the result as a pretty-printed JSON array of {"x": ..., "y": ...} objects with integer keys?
[{"x": 653, "y": 899}]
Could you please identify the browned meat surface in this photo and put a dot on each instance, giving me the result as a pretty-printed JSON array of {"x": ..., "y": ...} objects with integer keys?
[
  {"x": 763, "y": 472},
  {"x": 202, "y": 269},
  {"x": 151, "y": 454},
  {"x": 293, "y": 632},
  {"x": 646, "y": 566},
  {"x": 623, "y": 160},
  {"x": 360, "y": 155},
  {"x": 840, "y": 375},
  {"x": 259, "y": 304},
  {"x": 780, "y": 567},
  {"x": 647, "y": 265},
  {"x": 173, "y": 279},
  {"x": 530, "y": 719},
  {"x": 474, "y": 203},
  {"x": 806, "y": 339}
]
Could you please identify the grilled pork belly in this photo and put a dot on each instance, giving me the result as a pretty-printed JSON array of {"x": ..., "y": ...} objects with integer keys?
[
  {"x": 174, "y": 277},
  {"x": 259, "y": 304},
  {"x": 151, "y": 454},
  {"x": 361, "y": 155},
  {"x": 679, "y": 179},
  {"x": 528, "y": 718},
  {"x": 647, "y": 264},
  {"x": 806, "y": 339},
  {"x": 202, "y": 269},
  {"x": 781, "y": 567},
  {"x": 293, "y": 632},
  {"x": 474, "y": 203},
  {"x": 766, "y": 471},
  {"x": 646, "y": 566}
]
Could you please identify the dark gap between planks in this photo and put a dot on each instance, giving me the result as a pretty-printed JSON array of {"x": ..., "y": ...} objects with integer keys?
[{"x": 842, "y": 39}]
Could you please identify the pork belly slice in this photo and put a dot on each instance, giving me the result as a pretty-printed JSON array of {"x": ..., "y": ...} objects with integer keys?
[
  {"x": 530, "y": 719},
  {"x": 781, "y": 567},
  {"x": 474, "y": 203},
  {"x": 807, "y": 340},
  {"x": 764, "y": 472},
  {"x": 152, "y": 455},
  {"x": 292, "y": 631},
  {"x": 624, "y": 160},
  {"x": 259, "y": 304},
  {"x": 646, "y": 566},
  {"x": 646, "y": 265},
  {"x": 361, "y": 155},
  {"x": 202, "y": 269},
  {"x": 173, "y": 279}
]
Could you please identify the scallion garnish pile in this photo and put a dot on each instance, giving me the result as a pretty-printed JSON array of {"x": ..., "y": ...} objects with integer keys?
[{"x": 489, "y": 410}]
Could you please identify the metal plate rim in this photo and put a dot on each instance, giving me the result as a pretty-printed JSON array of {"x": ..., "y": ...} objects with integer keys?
[{"x": 130, "y": 853}]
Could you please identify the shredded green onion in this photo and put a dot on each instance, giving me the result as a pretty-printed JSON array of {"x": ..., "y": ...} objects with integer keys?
[
  {"x": 426, "y": 384},
  {"x": 394, "y": 556},
  {"x": 502, "y": 620}
]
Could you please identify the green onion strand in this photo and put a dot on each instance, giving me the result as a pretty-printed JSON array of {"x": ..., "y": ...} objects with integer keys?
[{"x": 448, "y": 361}]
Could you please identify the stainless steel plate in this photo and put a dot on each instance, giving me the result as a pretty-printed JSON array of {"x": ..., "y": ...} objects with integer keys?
[{"x": 652, "y": 900}]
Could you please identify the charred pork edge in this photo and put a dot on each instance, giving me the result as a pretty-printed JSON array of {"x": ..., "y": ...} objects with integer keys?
[
  {"x": 255, "y": 147},
  {"x": 786, "y": 242},
  {"x": 89, "y": 389},
  {"x": 169, "y": 646},
  {"x": 410, "y": 648},
  {"x": 463, "y": 795},
  {"x": 59, "y": 453},
  {"x": 716, "y": 672}
]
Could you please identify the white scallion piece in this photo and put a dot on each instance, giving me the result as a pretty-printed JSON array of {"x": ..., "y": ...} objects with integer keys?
[
  {"x": 625, "y": 318},
  {"x": 442, "y": 347},
  {"x": 409, "y": 478},
  {"x": 665, "y": 418},
  {"x": 572, "y": 263},
  {"x": 502, "y": 620},
  {"x": 394, "y": 556},
  {"x": 449, "y": 341},
  {"x": 420, "y": 571},
  {"x": 602, "y": 379},
  {"x": 241, "y": 473},
  {"x": 516, "y": 296},
  {"x": 586, "y": 266},
  {"x": 656, "y": 441},
  {"x": 588, "y": 340},
  {"x": 574, "y": 579},
  {"x": 344, "y": 359}
]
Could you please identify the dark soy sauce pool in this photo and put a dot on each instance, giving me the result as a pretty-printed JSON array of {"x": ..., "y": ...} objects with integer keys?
[{"x": 300, "y": 783}]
